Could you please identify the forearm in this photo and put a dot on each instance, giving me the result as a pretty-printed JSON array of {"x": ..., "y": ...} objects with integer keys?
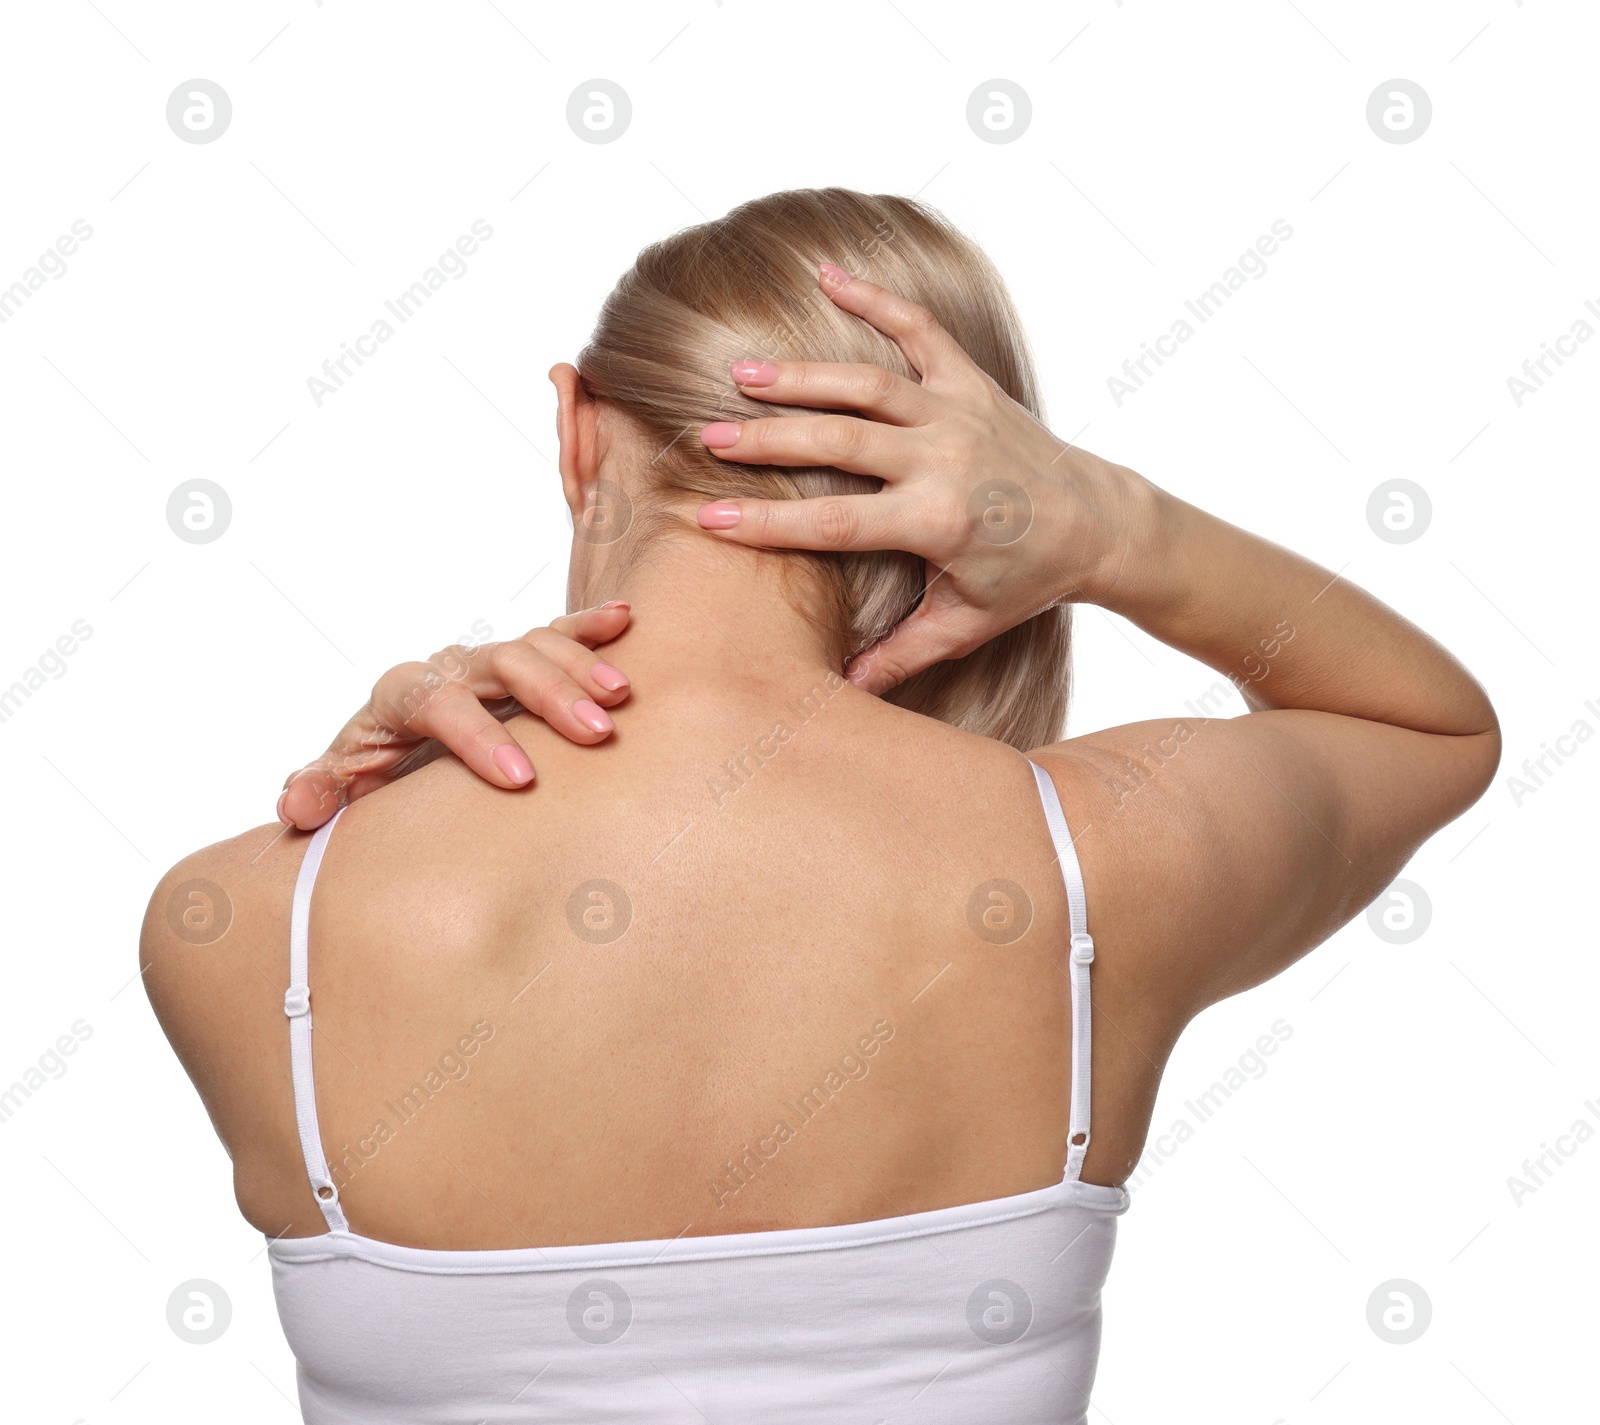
[{"x": 1287, "y": 632}]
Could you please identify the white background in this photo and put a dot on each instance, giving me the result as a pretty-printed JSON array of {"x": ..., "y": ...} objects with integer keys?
[{"x": 1165, "y": 138}]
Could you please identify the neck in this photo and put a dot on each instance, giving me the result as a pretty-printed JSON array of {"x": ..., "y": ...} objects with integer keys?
[{"x": 706, "y": 617}]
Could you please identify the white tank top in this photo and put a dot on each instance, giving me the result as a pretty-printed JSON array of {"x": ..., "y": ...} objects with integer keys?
[{"x": 986, "y": 1311}]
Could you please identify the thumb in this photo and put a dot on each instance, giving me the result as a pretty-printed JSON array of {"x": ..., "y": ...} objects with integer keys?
[{"x": 923, "y": 638}]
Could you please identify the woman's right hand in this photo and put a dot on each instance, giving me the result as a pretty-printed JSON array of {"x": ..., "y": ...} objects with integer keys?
[
  {"x": 1010, "y": 519},
  {"x": 551, "y": 672}
]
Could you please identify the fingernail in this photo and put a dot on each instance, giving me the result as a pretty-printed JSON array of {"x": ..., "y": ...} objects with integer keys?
[
  {"x": 616, "y": 604},
  {"x": 281, "y": 817},
  {"x": 592, "y": 715},
  {"x": 608, "y": 677},
  {"x": 723, "y": 515},
  {"x": 512, "y": 762},
  {"x": 754, "y": 373},
  {"x": 719, "y": 434},
  {"x": 833, "y": 278}
]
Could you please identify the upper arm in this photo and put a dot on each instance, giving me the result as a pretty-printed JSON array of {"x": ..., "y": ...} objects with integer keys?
[
  {"x": 1221, "y": 850},
  {"x": 213, "y": 954}
]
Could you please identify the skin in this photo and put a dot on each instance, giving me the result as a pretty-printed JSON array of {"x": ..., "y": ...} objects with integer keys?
[{"x": 816, "y": 901}]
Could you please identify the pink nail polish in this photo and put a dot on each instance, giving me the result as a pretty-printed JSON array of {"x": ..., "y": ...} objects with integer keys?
[
  {"x": 723, "y": 515},
  {"x": 719, "y": 434},
  {"x": 754, "y": 373},
  {"x": 281, "y": 800},
  {"x": 513, "y": 763},
  {"x": 833, "y": 278},
  {"x": 616, "y": 604},
  {"x": 592, "y": 716},
  {"x": 609, "y": 678}
]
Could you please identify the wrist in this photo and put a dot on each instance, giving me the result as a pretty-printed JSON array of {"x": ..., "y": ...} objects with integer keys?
[{"x": 1134, "y": 540}]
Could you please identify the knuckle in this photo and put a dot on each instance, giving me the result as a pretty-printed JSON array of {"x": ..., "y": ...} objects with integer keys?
[
  {"x": 402, "y": 691},
  {"x": 838, "y": 524},
  {"x": 544, "y": 641},
  {"x": 948, "y": 522},
  {"x": 402, "y": 675},
  {"x": 889, "y": 669},
  {"x": 877, "y": 381},
  {"x": 845, "y": 436},
  {"x": 451, "y": 662}
]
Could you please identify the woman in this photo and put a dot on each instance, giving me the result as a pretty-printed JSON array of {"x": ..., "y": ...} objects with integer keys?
[{"x": 746, "y": 1062}]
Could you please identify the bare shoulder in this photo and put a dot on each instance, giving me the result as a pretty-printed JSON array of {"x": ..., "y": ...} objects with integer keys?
[
  {"x": 212, "y": 913},
  {"x": 1224, "y": 849},
  {"x": 1139, "y": 841},
  {"x": 213, "y": 954}
]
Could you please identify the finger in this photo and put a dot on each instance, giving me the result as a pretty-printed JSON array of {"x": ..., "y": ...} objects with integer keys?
[
  {"x": 314, "y": 793},
  {"x": 593, "y": 627},
  {"x": 844, "y": 442},
  {"x": 407, "y": 708},
  {"x": 919, "y": 641},
  {"x": 911, "y": 326},
  {"x": 598, "y": 679},
  {"x": 833, "y": 386},
  {"x": 548, "y": 690},
  {"x": 373, "y": 744},
  {"x": 456, "y": 718},
  {"x": 831, "y": 522}
]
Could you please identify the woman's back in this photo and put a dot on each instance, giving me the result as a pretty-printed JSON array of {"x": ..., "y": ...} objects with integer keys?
[
  {"x": 671, "y": 1049},
  {"x": 790, "y": 957}
]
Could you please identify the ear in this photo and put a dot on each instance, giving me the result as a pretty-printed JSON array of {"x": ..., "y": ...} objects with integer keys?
[{"x": 577, "y": 430}]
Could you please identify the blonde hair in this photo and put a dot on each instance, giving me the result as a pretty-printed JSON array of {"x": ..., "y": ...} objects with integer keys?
[{"x": 745, "y": 286}]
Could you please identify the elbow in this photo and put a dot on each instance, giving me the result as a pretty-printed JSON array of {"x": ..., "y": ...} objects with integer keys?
[{"x": 1480, "y": 761}]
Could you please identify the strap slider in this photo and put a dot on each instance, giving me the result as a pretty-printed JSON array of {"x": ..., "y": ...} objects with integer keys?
[
  {"x": 1082, "y": 949},
  {"x": 297, "y": 1001}
]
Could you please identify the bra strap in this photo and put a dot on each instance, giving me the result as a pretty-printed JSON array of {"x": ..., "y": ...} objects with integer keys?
[
  {"x": 1078, "y": 962},
  {"x": 297, "y": 1005}
]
